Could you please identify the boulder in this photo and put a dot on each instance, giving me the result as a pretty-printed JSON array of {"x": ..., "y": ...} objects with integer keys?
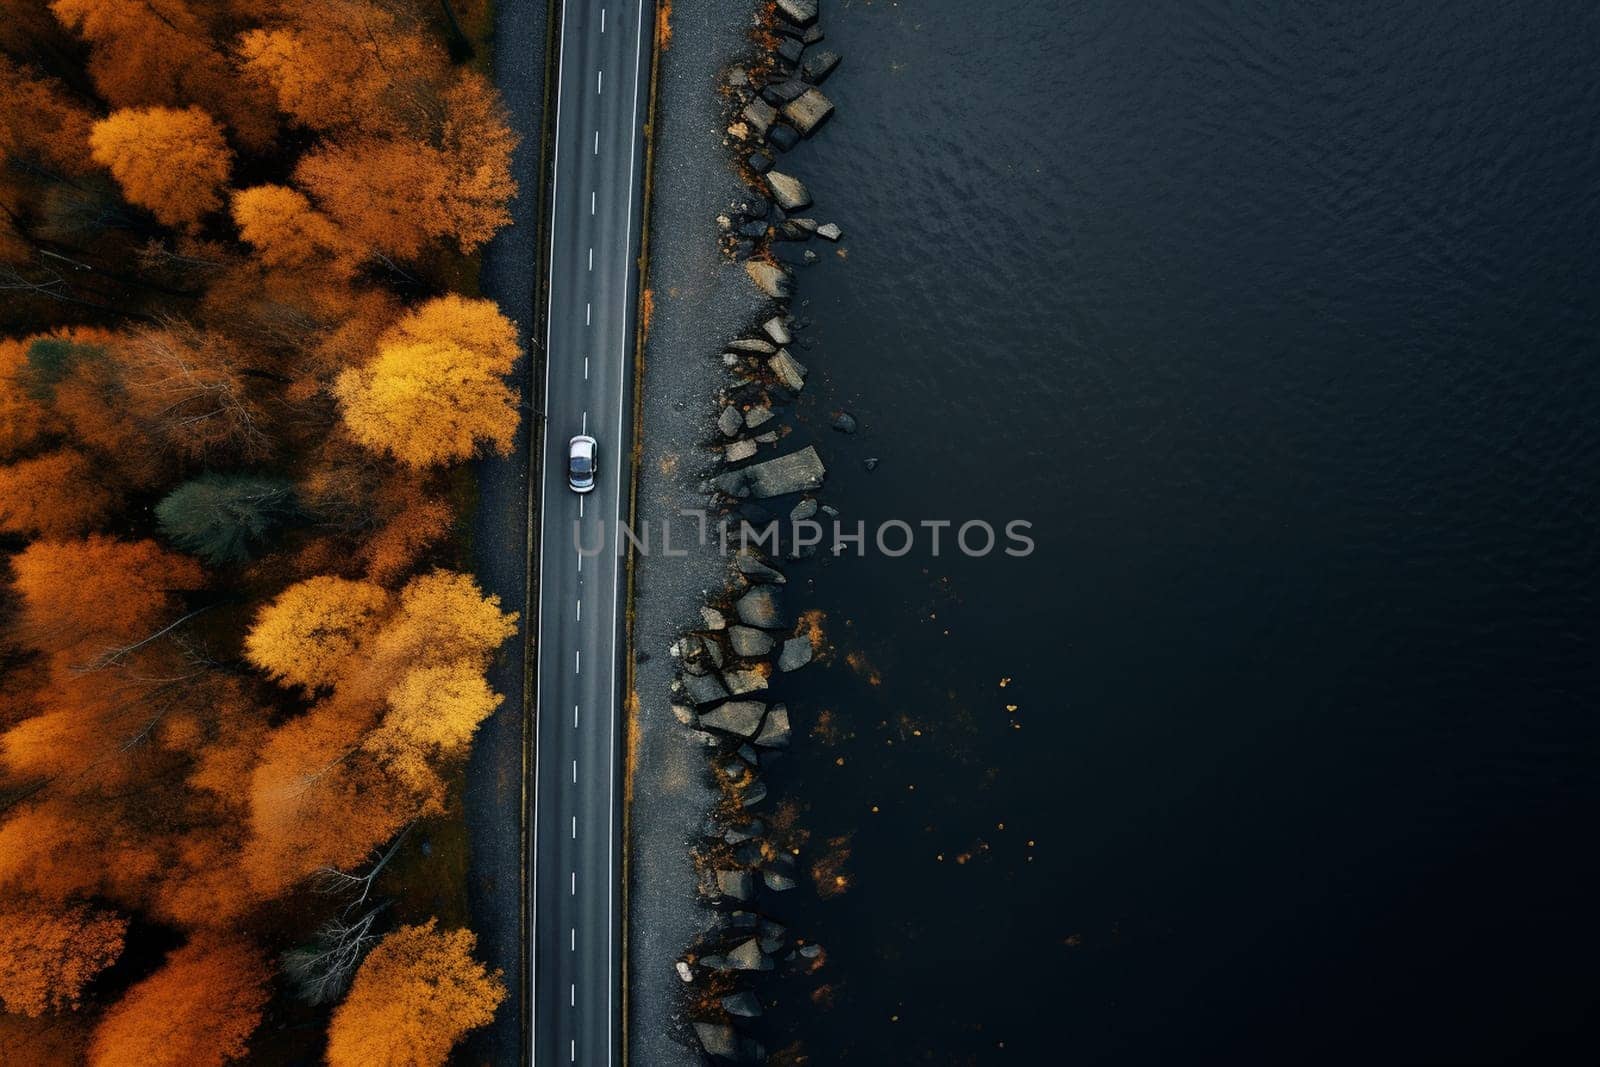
[
  {"x": 811, "y": 952},
  {"x": 739, "y": 683},
  {"x": 783, "y": 137},
  {"x": 777, "y": 881},
  {"x": 795, "y": 473},
  {"x": 770, "y": 278},
  {"x": 750, "y": 565},
  {"x": 796, "y": 654},
  {"x": 754, "y": 795},
  {"x": 684, "y": 972},
  {"x": 748, "y": 641},
  {"x": 790, "y": 371},
  {"x": 799, "y": 12},
  {"x": 813, "y": 34},
  {"x": 788, "y": 90},
  {"x": 757, "y": 415},
  {"x": 790, "y": 49},
  {"x": 759, "y": 162},
  {"x": 776, "y": 330},
  {"x": 819, "y": 65},
  {"x": 830, "y": 230},
  {"x": 730, "y": 421},
  {"x": 738, "y": 835},
  {"x": 806, "y": 112},
  {"x": 738, "y": 451},
  {"x": 745, "y": 1005},
  {"x": 768, "y": 438},
  {"x": 808, "y": 226},
  {"x": 747, "y": 956},
  {"x": 705, "y": 688},
  {"x": 844, "y": 422},
  {"x": 752, "y": 344},
  {"x": 755, "y": 229},
  {"x": 718, "y": 1039},
  {"x": 787, "y": 190},
  {"x": 739, "y": 717},
  {"x": 775, "y": 731},
  {"x": 761, "y": 606},
  {"x": 803, "y": 510},
  {"x": 743, "y": 920},
  {"x": 760, "y": 114},
  {"x": 684, "y": 714},
  {"x": 736, "y": 885},
  {"x": 713, "y": 619}
]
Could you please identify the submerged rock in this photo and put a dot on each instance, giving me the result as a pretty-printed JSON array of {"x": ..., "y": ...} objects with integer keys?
[
  {"x": 749, "y": 565},
  {"x": 718, "y": 1039},
  {"x": 730, "y": 421},
  {"x": 870, "y": 463},
  {"x": 757, "y": 415},
  {"x": 739, "y": 451},
  {"x": 819, "y": 65},
  {"x": 807, "y": 111},
  {"x": 761, "y": 607},
  {"x": 790, "y": 49},
  {"x": 759, "y": 162},
  {"x": 830, "y": 230},
  {"x": 754, "y": 795},
  {"x": 782, "y": 137},
  {"x": 803, "y": 510},
  {"x": 777, "y": 881},
  {"x": 844, "y": 422},
  {"x": 743, "y": 1004},
  {"x": 789, "y": 191}
]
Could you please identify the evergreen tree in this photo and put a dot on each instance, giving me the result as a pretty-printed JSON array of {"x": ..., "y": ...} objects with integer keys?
[{"x": 226, "y": 518}]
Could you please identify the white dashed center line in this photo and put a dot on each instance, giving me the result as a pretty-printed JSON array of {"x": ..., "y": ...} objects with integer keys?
[
  {"x": 591, "y": 211},
  {"x": 599, "y": 80},
  {"x": 574, "y": 772},
  {"x": 591, "y": 259},
  {"x": 577, "y": 661},
  {"x": 574, "y": 884},
  {"x": 597, "y": 142},
  {"x": 588, "y": 312},
  {"x": 574, "y": 827}
]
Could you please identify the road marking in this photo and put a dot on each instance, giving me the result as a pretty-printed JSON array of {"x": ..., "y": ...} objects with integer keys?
[
  {"x": 580, "y": 507},
  {"x": 611, "y": 718},
  {"x": 585, "y": 430},
  {"x": 574, "y": 772},
  {"x": 577, "y": 661},
  {"x": 591, "y": 196},
  {"x": 572, "y": 994},
  {"x": 599, "y": 80},
  {"x": 597, "y": 143},
  {"x": 580, "y": 611},
  {"x": 555, "y": 172},
  {"x": 585, "y": 368},
  {"x": 574, "y": 884},
  {"x": 591, "y": 259},
  {"x": 574, "y": 726},
  {"x": 574, "y": 1054},
  {"x": 574, "y": 941},
  {"x": 602, "y": 20},
  {"x": 588, "y": 312},
  {"x": 580, "y": 562},
  {"x": 574, "y": 827}
]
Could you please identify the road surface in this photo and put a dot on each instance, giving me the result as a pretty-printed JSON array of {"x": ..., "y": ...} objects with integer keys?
[{"x": 601, "y": 82}]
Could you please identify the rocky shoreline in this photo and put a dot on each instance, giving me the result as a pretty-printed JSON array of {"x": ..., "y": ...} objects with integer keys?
[{"x": 721, "y": 678}]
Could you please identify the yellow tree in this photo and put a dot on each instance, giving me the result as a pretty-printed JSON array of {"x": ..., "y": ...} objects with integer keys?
[
  {"x": 443, "y": 619},
  {"x": 41, "y": 122},
  {"x": 172, "y": 162},
  {"x": 437, "y": 389},
  {"x": 198, "y": 1010},
  {"x": 286, "y": 230},
  {"x": 307, "y": 636},
  {"x": 433, "y": 713},
  {"x": 47, "y": 955},
  {"x": 417, "y": 994}
]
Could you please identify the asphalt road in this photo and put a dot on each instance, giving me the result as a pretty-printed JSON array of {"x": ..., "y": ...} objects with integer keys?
[{"x": 602, "y": 80}]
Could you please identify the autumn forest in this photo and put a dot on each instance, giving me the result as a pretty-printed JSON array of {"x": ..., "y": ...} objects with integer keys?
[{"x": 242, "y": 364}]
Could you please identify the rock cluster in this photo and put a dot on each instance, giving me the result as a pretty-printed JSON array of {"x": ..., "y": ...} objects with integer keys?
[{"x": 745, "y": 639}]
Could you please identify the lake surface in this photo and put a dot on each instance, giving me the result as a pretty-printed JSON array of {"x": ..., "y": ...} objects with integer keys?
[{"x": 1279, "y": 322}]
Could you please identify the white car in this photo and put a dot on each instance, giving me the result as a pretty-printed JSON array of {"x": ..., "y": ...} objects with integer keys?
[{"x": 582, "y": 466}]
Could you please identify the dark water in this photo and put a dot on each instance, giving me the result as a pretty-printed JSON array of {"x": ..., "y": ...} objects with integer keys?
[{"x": 1279, "y": 321}]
